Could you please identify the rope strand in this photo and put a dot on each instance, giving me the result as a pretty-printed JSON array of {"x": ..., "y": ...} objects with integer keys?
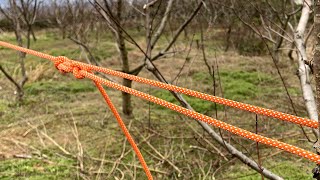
[
  {"x": 82, "y": 70},
  {"x": 215, "y": 99},
  {"x": 242, "y": 106},
  {"x": 64, "y": 65},
  {"x": 211, "y": 121},
  {"x": 124, "y": 129}
]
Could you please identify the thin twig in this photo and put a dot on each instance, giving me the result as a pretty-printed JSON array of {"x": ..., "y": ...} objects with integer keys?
[{"x": 163, "y": 158}]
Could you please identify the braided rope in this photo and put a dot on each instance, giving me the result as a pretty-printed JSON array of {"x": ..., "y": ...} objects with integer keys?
[
  {"x": 64, "y": 65},
  {"x": 82, "y": 70},
  {"x": 211, "y": 121},
  {"x": 219, "y": 100},
  {"x": 124, "y": 129},
  {"x": 242, "y": 106}
]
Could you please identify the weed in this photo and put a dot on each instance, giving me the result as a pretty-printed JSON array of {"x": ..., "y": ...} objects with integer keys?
[
  {"x": 238, "y": 85},
  {"x": 56, "y": 168},
  {"x": 3, "y": 105},
  {"x": 59, "y": 87},
  {"x": 284, "y": 169}
]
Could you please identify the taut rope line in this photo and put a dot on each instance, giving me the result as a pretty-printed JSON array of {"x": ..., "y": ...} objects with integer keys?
[{"x": 82, "y": 70}]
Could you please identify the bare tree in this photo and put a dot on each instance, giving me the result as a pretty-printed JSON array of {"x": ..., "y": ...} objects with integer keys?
[
  {"x": 28, "y": 10},
  {"x": 279, "y": 26},
  {"x": 114, "y": 21},
  {"x": 19, "y": 15},
  {"x": 60, "y": 14},
  {"x": 304, "y": 70},
  {"x": 216, "y": 136},
  {"x": 152, "y": 35}
]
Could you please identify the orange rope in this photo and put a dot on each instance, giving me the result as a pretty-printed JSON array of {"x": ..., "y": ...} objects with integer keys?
[
  {"x": 227, "y": 102},
  {"x": 124, "y": 129},
  {"x": 82, "y": 70},
  {"x": 235, "y": 130},
  {"x": 65, "y": 66},
  {"x": 68, "y": 66},
  {"x": 219, "y": 100}
]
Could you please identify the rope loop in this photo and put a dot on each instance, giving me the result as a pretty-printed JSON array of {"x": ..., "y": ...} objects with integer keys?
[{"x": 65, "y": 65}]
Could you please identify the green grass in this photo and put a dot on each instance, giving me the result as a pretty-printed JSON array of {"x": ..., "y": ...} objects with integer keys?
[
  {"x": 70, "y": 53},
  {"x": 51, "y": 35},
  {"x": 105, "y": 50},
  {"x": 8, "y": 37},
  {"x": 242, "y": 85},
  {"x": 239, "y": 85},
  {"x": 287, "y": 170},
  {"x": 3, "y": 105},
  {"x": 59, "y": 87},
  {"x": 34, "y": 169}
]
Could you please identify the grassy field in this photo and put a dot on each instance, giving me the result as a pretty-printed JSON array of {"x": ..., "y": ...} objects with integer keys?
[{"x": 64, "y": 130}]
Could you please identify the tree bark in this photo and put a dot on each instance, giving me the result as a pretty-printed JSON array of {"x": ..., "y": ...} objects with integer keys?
[
  {"x": 316, "y": 58},
  {"x": 18, "y": 34},
  {"x": 316, "y": 71},
  {"x": 114, "y": 24},
  {"x": 304, "y": 70},
  {"x": 126, "y": 98}
]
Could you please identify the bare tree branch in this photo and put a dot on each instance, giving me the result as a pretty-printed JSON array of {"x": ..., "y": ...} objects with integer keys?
[
  {"x": 163, "y": 23},
  {"x": 137, "y": 70},
  {"x": 10, "y": 78}
]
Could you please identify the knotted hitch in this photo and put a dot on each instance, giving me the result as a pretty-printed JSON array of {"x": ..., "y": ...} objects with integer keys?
[{"x": 65, "y": 65}]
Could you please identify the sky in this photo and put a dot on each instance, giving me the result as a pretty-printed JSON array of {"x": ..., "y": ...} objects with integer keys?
[{"x": 2, "y": 2}]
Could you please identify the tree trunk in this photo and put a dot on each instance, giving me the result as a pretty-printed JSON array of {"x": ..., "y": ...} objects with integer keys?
[
  {"x": 316, "y": 58},
  {"x": 114, "y": 23},
  {"x": 304, "y": 70},
  {"x": 126, "y": 98},
  {"x": 316, "y": 68},
  {"x": 17, "y": 30},
  {"x": 229, "y": 31}
]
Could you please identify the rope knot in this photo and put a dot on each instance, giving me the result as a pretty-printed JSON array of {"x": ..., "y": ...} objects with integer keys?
[{"x": 65, "y": 65}]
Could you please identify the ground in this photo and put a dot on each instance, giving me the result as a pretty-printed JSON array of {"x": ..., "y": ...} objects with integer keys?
[{"x": 63, "y": 129}]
